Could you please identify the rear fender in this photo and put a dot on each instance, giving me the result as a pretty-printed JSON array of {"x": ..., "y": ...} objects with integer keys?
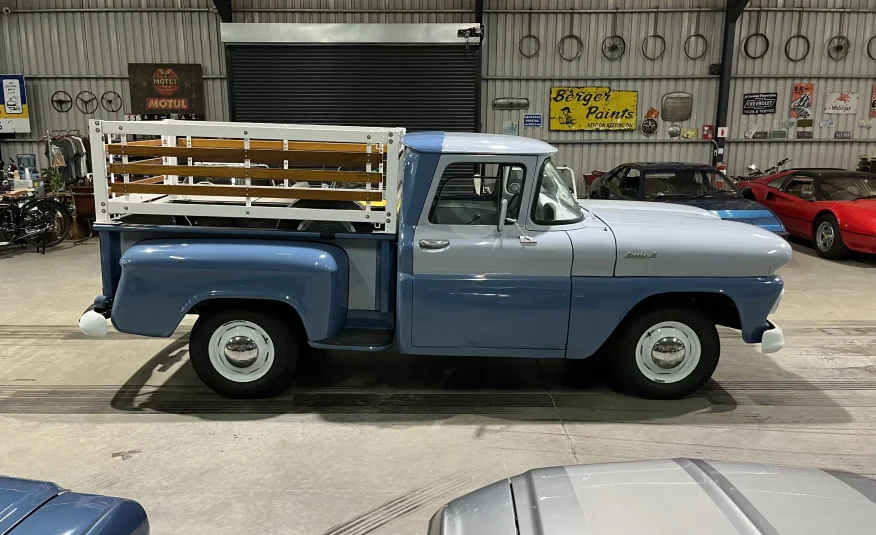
[{"x": 162, "y": 280}]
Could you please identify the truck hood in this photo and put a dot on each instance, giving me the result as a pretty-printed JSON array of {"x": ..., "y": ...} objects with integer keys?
[
  {"x": 668, "y": 497},
  {"x": 607, "y": 209},
  {"x": 38, "y": 507},
  {"x": 665, "y": 240}
]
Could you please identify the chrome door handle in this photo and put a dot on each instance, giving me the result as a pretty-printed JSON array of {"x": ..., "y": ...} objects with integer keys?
[{"x": 434, "y": 245}]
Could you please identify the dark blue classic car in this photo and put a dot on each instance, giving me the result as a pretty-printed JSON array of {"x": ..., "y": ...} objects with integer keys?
[
  {"x": 42, "y": 508},
  {"x": 684, "y": 183}
]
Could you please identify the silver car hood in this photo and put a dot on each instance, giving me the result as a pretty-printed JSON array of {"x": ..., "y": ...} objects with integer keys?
[{"x": 672, "y": 497}]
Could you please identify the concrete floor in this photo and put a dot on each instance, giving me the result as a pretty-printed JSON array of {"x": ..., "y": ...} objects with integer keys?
[{"x": 375, "y": 444}]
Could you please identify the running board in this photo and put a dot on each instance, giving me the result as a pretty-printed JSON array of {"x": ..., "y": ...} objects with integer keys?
[{"x": 358, "y": 340}]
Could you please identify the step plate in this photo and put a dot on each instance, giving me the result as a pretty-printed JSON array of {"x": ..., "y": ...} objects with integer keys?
[{"x": 360, "y": 338}]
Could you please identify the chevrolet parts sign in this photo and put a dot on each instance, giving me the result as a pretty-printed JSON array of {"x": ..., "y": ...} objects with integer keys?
[{"x": 592, "y": 108}]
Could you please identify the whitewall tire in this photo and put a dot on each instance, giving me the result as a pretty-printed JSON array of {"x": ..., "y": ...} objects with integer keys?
[
  {"x": 666, "y": 353},
  {"x": 242, "y": 353}
]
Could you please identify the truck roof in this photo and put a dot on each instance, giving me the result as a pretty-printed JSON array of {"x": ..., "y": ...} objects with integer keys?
[{"x": 472, "y": 143}]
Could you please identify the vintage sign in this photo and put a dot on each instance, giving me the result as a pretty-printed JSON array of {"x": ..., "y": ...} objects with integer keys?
[
  {"x": 802, "y": 97},
  {"x": 510, "y": 128},
  {"x": 708, "y": 131},
  {"x": 804, "y": 134},
  {"x": 842, "y": 134},
  {"x": 804, "y": 123},
  {"x": 841, "y": 104},
  {"x": 761, "y": 135},
  {"x": 532, "y": 120},
  {"x": 749, "y": 134},
  {"x": 652, "y": 113},
  {"x": 827, "y": 123},
  {"x": 873, "y": 102},
  {"x": 14, "y": 111},
  {"x": 649, "y": 127},
  {"x": 791, "y": 123},
  {"x": 592, "y": 108},
  {"x": 779, "y": 134},
  {"x": 723, "y": 131},
  {"x": 759, "y": 103},
  {"x": 688, "y": 133},
  {"x": 865, "y": 124},
  {"x": 166, "y": 88}
]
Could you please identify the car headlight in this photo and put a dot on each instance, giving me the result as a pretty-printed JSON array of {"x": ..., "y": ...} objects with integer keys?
[{"x": 778, "y": 300}]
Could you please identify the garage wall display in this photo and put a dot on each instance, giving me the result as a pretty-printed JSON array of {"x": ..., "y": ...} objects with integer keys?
[
  {"x": 841, "y": 104},
  {"x": 532, "y": 120},
  {"x": 14, "y": 112},
  {"x": 167, "y": 88},
  {"x": 592, "y": 108},
  {"x": 801, "y": 100},
  {"x": 759, "y": 103},
  {"x": 677, "y": 106},
  {"x": 649, "y": 127}
]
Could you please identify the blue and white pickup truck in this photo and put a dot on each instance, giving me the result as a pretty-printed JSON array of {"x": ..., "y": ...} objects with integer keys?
[{"x": 491, "y": 256}]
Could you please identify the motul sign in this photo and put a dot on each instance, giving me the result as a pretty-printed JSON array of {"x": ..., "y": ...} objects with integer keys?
[{"x": 166, "y": 88}]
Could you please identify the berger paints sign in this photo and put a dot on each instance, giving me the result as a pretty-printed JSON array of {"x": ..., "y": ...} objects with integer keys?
[
  {"x": 592, "y": 108},
  {"x": 166, "y": 88},
  {"x": 14, "y": 112}
]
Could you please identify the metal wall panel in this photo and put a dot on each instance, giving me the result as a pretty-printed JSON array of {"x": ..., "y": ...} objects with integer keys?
[
  {"x": 76, "y": 45},
  {"x": 353, "y": 11}
]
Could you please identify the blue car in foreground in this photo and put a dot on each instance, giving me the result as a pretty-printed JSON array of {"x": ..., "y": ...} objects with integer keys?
[
  {"x": 41, "y": 508},
  {"x": 692, "y": 184}
]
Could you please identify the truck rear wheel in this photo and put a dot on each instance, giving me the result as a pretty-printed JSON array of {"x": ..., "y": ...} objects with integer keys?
[
  {"x": 241, "y": 353},
  {"x": 667, "y": 353}
]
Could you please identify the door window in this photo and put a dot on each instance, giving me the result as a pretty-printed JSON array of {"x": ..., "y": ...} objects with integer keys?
[
  {"x": 800, "y": 187},
  {"x": 776, "y": 183},
  {"x": 469, "y": 194}
]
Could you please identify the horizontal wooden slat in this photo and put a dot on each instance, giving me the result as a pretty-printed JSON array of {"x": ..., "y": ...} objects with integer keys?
[
  {"x": 295, "y": 157},
  {"x": 242, "y": 172},
  {"x": 146, "y": 143},
  {"x": 150, "y": 180},
  {"x": 271, "y": 144},
  {"x": 151, "y": 161},
  {"x": 253, "y": 192}
]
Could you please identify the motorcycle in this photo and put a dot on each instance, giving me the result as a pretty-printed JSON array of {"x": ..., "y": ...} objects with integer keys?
[
  {"x": 755, "y": 172},
  {"x": 36, "y": 221}
]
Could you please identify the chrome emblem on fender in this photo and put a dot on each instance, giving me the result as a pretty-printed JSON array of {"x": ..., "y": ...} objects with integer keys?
[{"x": 641, "y": 255}]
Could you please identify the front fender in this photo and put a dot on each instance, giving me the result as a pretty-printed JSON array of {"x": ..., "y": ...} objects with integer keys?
[{"x": 162, "y": 280}]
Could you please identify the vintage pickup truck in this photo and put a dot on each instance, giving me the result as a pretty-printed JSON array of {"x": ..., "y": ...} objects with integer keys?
[{"x": 462, "y": 244}]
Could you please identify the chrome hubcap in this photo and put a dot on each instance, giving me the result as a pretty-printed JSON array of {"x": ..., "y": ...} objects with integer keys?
[
  {"x": 241, "y": 351},
  {"x": 668, "y": 352},
  {"x": 824, "y": 236}
]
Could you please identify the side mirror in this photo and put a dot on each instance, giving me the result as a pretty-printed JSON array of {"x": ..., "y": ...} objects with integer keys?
[
  {"x": 748, "y": 193},
  {"x": 751, "y": 167}
]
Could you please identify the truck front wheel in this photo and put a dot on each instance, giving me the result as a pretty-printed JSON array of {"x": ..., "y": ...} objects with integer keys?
[
  {"x": 241, "y": 353},
  {"x": 667, "y": 353}
]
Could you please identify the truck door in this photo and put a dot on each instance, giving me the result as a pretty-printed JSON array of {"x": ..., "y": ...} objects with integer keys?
[{"x": 475, "y": 286}]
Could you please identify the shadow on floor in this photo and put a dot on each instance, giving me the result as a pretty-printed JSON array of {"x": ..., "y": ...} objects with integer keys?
[{"x": 388, "y": 388}]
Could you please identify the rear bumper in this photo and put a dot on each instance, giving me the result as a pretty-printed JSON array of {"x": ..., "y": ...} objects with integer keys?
[{"x": 859, "y": 242}]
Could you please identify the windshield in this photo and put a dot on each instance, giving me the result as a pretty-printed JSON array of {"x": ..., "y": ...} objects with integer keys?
[
  {"x": 840, "y": 188},
  {"x": 688, "y": 183},
  {"x": 555, "y": 203}
]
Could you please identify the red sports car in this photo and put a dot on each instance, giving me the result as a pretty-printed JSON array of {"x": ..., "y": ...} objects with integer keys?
[{"x": 835, "y": 209}]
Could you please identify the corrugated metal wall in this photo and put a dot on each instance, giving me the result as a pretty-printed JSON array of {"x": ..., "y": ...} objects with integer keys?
[
  {"x": 86, "y": 44},
  {"x": 76, "y": 45}
]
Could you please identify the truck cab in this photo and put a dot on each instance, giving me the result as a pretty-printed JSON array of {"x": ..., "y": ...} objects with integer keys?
[{"x": 478, "y": 248}]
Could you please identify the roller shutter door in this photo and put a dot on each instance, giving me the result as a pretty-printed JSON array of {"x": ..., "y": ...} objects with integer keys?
[{"x": 413, "y": 86}]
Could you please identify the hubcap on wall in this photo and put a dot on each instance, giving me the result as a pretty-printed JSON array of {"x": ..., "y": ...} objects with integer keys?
[
  {"x": 668, "y": 352},
  {"x": 241, "y": 351},
  {"x": 824, "y": 236}
]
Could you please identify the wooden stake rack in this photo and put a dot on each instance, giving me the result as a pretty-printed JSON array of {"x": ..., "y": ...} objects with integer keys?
[{"x": 247, "y": 170}]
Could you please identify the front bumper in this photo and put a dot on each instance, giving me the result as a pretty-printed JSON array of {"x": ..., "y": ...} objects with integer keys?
[{"x": 773, "y": 339}]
